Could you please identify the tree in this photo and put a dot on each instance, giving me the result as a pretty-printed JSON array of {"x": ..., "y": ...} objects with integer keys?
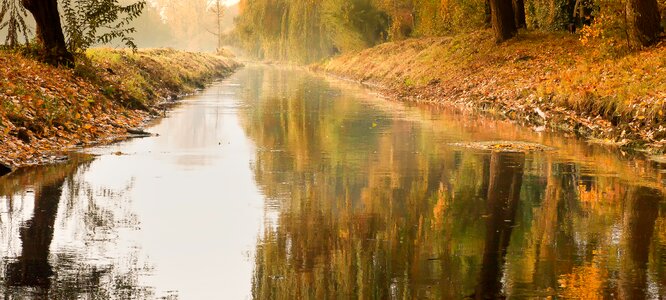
[
  {"x": 218, "y": 12},
  {"x": 86, "y": 22},
  {"x": 644, "y": 21},
  {"x": 487, "y": 16},
  {"x": 519, "y": 13},
  {"x": 49, "y": 31},
  {"x": 502, "y": 19}
]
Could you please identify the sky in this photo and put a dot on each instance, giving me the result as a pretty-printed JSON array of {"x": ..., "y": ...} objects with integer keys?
[{"x": 230, "y": 2}]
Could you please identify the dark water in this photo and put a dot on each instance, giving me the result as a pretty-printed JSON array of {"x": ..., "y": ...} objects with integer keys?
[{"x": 277, "y": 184}]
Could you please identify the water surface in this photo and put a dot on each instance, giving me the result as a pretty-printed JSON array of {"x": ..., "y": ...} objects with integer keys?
[{"x": 279, "y": 184}]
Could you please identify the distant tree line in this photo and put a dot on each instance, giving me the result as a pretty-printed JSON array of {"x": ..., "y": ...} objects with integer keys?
[{"x": 307, "y": 30}]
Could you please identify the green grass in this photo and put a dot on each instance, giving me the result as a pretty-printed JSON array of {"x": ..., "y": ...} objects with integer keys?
[{"x": 151, "y": 75}]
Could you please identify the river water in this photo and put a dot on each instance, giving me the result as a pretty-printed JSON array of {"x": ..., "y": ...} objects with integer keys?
[{"x": 279, "y": 184}]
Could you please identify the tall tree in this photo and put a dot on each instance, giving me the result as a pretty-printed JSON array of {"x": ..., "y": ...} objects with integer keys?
[
  {"x": 519, "y": 13},
  {"x": 218, "y": 11},
  {"x": 644, "y": 21},
  {"x": 49, "y": 31},
  {"x": 486, "y": 14},
  {"x": 503, "y": 21}
]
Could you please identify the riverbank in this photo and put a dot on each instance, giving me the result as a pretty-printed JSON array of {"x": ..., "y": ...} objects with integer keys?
[
  {"x": 46, "y": 110},
  {"x": 545, "y": 81}
]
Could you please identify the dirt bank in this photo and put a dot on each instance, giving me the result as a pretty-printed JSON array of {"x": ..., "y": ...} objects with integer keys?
[
  {"x": 546, "y": 81},
  {"x": 46, "y": 110}
]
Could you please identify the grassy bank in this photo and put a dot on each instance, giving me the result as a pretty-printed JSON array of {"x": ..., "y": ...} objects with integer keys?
[
  {"x": 45, "y": 109},
  {"x": 541, "y": 80}
]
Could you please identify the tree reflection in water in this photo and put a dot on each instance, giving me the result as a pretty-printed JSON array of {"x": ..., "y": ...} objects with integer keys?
[
  {"x": 392, "y": 211},
  {"x": 363, "y": 201},
  {"x": 641, "y": 213},
  {"x": 35, "y": 271},
  {"x": 506, "y": 178},
  {"x": 32, "y": 268}
]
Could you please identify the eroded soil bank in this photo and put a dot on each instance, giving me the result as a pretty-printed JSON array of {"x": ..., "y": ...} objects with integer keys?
[
  {"x": 545, "y": 81},
  {"x": 46, "y": 110}
]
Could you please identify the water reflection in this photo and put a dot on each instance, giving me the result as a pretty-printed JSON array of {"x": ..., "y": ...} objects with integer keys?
[
  {"x": 173, "y": 216},
  {"x": 32, "y": 268},
  {"x": 369, "y": 201},
  {"x": 278, "y": 184},
  {"x": 34, "y": 202},
  {"x": 640, "y": 216},
  {"x": 506, "y": 177}
]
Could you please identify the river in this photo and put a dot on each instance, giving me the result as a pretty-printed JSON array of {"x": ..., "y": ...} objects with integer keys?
[{"x": 280, "y": 184}]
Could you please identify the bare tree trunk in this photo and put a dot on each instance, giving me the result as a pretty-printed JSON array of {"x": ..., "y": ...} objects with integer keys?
[
  {"x": 219, "y": 14},
  {"x": 49, "y": 31},
  {"x": 504, "y": 24},
  {"x": 519, "y": 13},
  {"x": 644, "y": 21}
]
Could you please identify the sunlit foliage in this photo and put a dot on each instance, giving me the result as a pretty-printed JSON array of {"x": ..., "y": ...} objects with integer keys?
[
  {"x": 90, "y": 22},
  {"x": 301, "y": 30}
]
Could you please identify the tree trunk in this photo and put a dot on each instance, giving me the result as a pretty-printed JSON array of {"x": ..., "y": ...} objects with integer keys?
[
  {"x": 644, "y": 21},
  {"x": 504, "y": 24},
  {"x": 49, "y": 31},
  {"x": 487, "y": 15},
  {"x": 4, "y": 169},
  {"x": 519, "y": 13}
]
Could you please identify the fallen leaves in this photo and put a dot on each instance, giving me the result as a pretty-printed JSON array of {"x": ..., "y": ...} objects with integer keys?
[
  {"x": 505, "y": 146},
  {"x": 45, "y": 109}
]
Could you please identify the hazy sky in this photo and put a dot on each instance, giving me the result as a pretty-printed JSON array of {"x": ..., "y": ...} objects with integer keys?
[{"x": 230, "y": 2}]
